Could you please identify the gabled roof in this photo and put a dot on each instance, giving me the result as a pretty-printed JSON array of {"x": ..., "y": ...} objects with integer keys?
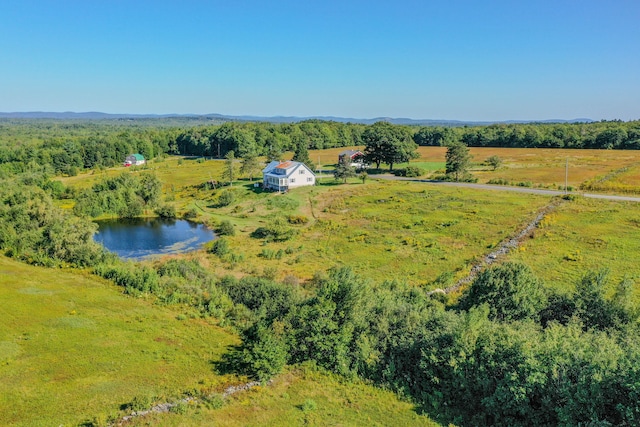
[
  {"x": 271, "y": 166},
  {"x": 350, "y": 153},
  {"x": 286, "y": 165},
  {"x": 137, "y": 156},
  {"x": 289, "y": 167}
]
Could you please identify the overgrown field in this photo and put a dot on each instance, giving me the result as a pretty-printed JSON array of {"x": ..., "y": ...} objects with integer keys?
[
  {"x": 407, "y": 231},
  {"x": 585, "y": 235},
  {"x": 74, "y": 349},
  {"x": 301, "y": 396}
]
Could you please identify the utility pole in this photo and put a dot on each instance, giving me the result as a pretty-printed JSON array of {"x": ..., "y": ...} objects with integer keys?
[{"x": 566, "y": 177}]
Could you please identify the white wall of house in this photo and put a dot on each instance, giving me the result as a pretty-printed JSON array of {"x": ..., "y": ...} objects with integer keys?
[
  {"x": 301, "y": 176},
  {"x": 298, "y": 175}
]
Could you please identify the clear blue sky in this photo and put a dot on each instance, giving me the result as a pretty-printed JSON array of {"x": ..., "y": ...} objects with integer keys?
[{"x": 453, "y": 59}]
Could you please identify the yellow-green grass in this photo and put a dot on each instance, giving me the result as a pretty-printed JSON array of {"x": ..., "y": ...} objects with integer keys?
[
  {"x": 408, "y": 231},
  {"x": 301, "y": 397},
  {"x": 541, "y": 166},
  {"x": 585, "y": 235},
  {"x": 625, "y": 180},
  {"x": 73, "y": 347}
]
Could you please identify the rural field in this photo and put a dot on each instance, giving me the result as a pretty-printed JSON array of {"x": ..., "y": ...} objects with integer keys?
[{"x": 75, "y": 351}]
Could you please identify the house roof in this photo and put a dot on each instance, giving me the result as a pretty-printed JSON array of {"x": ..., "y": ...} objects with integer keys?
[
  {"x": 286, "y": 165},
  {"x": 137, "y": 156},
  {"x": 289, "y": 167},
  {"x": 350, "y": 153}
]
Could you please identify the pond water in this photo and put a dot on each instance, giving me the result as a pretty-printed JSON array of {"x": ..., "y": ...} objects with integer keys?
[{"x": 140, "y": 238}]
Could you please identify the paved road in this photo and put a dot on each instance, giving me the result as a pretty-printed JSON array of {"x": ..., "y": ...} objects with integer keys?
[{"x": 506, "y": 188}]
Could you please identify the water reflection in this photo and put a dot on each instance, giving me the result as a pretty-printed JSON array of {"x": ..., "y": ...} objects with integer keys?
[{"x": 140, "y": 238}]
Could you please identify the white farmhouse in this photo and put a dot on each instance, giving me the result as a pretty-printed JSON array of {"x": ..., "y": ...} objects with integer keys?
[{"x": 282, "y": 176}]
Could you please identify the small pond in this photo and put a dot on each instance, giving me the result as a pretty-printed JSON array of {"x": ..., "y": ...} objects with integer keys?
[{"x": 140, "y": 238}]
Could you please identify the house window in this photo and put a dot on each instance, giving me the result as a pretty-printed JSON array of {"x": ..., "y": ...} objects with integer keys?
[
  {"x": 292, "y": 180},
  {"x": 301, "y": 171},
  {"x": 309, "y": 179}
]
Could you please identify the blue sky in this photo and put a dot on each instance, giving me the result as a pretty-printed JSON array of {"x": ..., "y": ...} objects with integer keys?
[{"x": 466, "y": 60}]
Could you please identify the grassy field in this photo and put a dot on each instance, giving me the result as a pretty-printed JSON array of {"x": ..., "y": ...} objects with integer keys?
[
  {"x": 408, "y": 231},
  {"x": 301, "y": 397},
  {"x": 585, "y": 235},
  {"x": 75, "y": 349}
]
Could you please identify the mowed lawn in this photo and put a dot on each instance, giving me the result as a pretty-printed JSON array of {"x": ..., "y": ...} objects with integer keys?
[{"x": 73, "y": 347}]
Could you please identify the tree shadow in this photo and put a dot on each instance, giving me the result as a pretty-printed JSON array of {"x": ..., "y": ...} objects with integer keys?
[{"x": 231, "y": 362}]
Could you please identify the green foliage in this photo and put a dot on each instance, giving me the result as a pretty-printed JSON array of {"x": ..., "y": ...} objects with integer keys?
[
  {"x": 511, "y": 291},
  {"x": 309, "y": 405},
  {"x": 166, "y": 210},
  {"x": 276, "y": 231},
  {"x": 140, "y": 403},
  {"x": 133, "y": 278},
  {"x": 458, "y": 161},
  {"x": 344, "y": 170},
  {"x": 36, "y": 231},
  {"x": 265, "y": 352},
  {"x": 226, "y": 228},
  {"x": 386, "y": 143},
  {"x": 409, "y": 171},
  {"x": 301, "y": 154},
  {"x": 251, "y": 166},
  {"x": 229, "y": 172},
  {"x": 190, "y": 214},
  {"x": 494, "y": 161},
  {"x": 226, "y": 198},
  {"x": 297, "y": 219},
  {"x": 220, "y": 247},
  {"x": 125, "y": 195}
]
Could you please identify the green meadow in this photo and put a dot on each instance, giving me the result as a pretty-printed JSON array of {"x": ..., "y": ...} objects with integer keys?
[
  {"x": 585, "y": 235},
  {"x": 75, "y": 351}
]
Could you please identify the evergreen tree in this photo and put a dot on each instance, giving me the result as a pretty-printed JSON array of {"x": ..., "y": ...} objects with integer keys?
[
  {"x": 344, "y": 169},
  {"x": 301, "y": 154},
  {"x": 458, "y": 161}
]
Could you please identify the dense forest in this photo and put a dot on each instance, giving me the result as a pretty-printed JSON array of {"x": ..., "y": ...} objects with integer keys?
[{"x": 66, "y": 147}]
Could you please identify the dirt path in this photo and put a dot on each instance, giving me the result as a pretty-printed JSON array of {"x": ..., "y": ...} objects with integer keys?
[{"x": 502, "y": 249}]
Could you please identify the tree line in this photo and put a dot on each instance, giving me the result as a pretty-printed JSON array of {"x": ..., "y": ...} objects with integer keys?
[{"x": 69, "y": 147}]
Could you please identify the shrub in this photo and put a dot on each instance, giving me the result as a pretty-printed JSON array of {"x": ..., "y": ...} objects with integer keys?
[
  {"x": 297, "y": 219},
  {"x": 309, "y": 405},
  {"x": 511, "y": 291},
  {"x": 277, "y": 231},
  {"x": 226, "y": 198},
  {"x": 180, "y": 407},
  {"x": 226, "y": 228},
  {"x": 409, "y": 171},
  {"x": 220, "y": 247},
  {"x": 190, "y": 214},
  {"x": 166, "y": 211},
  {"x": 214, "y": 401}
]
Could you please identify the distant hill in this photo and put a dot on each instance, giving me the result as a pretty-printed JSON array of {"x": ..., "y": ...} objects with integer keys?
[{"x": 94, "y": 115}]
